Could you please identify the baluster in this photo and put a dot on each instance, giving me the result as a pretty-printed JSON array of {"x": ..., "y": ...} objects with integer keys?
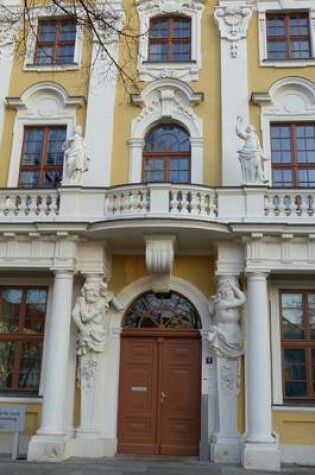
[
  {"x": 10, "y": 205},
  {"x": 2, "y": 205},
  {"x": 268, "y": 205},
  {"x": 303, "y": 205},
  {"x": 174, "y": 202},
  {"x": 195, "y": 204},
  {"x": 109, "y": 204},
  {"x": 41, "y": 205},
  {"x": 310, "y": 200},
  {"x": 145, "y": 201},
  {"x": 22, "y": 205},
  {"x": 185, "y": 203},
  {"x": 133, "y": 202},
  {"x": 53, "y": 208},
  {"x": 212, "y": 205},
  {"x": 116, "y": 203}
]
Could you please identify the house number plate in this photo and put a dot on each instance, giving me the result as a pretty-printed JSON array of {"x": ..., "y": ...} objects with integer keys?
[{"x": 139, "y": 389}]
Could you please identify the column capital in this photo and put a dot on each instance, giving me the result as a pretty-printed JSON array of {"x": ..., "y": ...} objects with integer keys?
[
  {"x": 257, "y": 275},
  {"x": 63, "y": 272}
]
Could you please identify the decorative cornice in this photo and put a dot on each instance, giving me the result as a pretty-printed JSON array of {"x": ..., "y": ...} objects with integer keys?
[{"x": 159, "y": 257}]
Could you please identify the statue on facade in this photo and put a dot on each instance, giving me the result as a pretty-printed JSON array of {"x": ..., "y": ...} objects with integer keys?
[
  {"x": 77, "y": 156},
  {"x": 90, "y": 314},
  {"x": 251, "y": 155},
  {"x": 225, "y": 334}
]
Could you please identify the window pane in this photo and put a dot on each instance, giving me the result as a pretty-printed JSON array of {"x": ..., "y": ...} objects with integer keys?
[
  {"x": 181, "y": 28},
  {"x": 306, "y": 178},
  {"x": 158, "y": 52},
  {"x": 275, "y": 26},
  {"x": 47, "y": 31},
  {"x": 7, "y": 350},
  {"x": 292, "y": 316},
  {"x": 277, "y": 50},
  {"x": 311, "y": 311},
  {"x": 167, "y": 137},
  {"x": 65, "y": 54},
  {"x": 179, "y": 170},
  {"x": 159, "y": 28},
  {"x": 35, "y": 311},
  {"x": 29, "y": 179},
  {"x": 299, "y": 49},
  {"x": 53, "y": 179},
  {"x": 33, "y": 146},
  {"x": 181, "y": 52},
  {"x": 282, "y": 178},
  {"x": 45, "y": 55},
  {"x": 56, "y": 141},
  {"x": 295, "y": 373},
  {"x": 67, "y": 31},
  {"x": 154, "y": 170},
  {"x": 30, "y": 366},
  {"x": 10, "y": 310}
]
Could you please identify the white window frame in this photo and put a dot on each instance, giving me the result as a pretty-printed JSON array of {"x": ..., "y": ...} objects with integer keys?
[
  {"x": 291, "y": 99},
  {"x": 33, "y": 282},
  {"x": 36, "y": 15},
  {"x": 44, "y": 104},
  {"x": 188, "y": 71},
  {"x": 268, "y": 6},
  {"x": 276, "y": 359}
]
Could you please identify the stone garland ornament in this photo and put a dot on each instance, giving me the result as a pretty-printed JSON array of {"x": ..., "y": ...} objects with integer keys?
[
  {"x": 77, "y": 157},
  {"x": 251, "y": 155},
  {"x": 233, "y": 23}
]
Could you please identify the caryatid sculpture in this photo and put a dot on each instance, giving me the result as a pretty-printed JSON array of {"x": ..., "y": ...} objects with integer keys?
[
  {"x": 251, "y": 155},
  {"x": 225, "y": 334},
  {"x": 77, "y": 157}
]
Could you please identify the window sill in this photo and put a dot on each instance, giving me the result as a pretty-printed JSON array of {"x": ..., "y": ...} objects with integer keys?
[
  {"x": 288, "y": 63},
  {"x": 51, "y": 67},
  {"x": 185, "y": 71},
  {"x": 295, "y": 408},
  {"x": 21, "y": 400}
]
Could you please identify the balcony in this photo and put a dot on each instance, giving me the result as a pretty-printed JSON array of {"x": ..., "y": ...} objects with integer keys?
[{"x": 159, "y": 200}]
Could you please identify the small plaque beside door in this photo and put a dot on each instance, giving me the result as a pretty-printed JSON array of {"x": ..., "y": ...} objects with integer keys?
[{"x": 139, "y": 389}]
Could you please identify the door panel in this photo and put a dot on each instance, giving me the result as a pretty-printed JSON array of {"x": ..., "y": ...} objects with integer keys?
[
  {"x": 159, "y": 397},
  {"x": 138, "y": 396}
]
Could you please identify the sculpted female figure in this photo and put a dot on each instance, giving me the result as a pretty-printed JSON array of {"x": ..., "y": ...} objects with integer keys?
[
  {"x": 77, "y": 156},
  {"x": 225, "y": 334}
]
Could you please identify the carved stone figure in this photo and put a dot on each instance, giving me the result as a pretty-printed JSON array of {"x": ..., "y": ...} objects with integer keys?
[
  {"x": 77, "y": 156},
  {"x": 90, "y": 314},
  {"x": 225, "y": 334},
  {"x": 251, "y": 155}
]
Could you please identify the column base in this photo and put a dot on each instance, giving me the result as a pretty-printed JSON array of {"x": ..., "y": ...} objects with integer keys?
[
  {"x": 93, "y": 448},
  {"x": 49, "y": 448},
  {"x": 261, "y": 456},
  {"x": 225, "y": 449}
]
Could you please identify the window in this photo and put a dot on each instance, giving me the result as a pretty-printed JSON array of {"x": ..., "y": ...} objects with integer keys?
[
  {"x": 167, "y": 155},
  {"x": 293, "y": 154},
  {"x": 42, "y": 157},
  {"x": 288, "y": 35},
  {"x": 22, "y": 321},
  {"x": 55, "y": 42},
  {"x": 170, "y": 39},
  {"x": 298, "y": 344}
]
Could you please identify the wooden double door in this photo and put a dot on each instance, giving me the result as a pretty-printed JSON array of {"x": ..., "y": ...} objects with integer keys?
[{"x": 160, "y": 393}]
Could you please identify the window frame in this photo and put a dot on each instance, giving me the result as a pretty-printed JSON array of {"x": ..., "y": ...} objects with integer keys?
[
  {"x": 294, "y": 165},
  {"x": 167, "y": 159},
  {"x": 20, "y": 337},
  {"x": 170, "y": 40},
  {"x": 42, "y": 168},
  {"x": 58, "y": 20},
  {"x": 272, "y": 6},
  {"x": 306, "y": 344},
  {"x": 288, "y": 37}
]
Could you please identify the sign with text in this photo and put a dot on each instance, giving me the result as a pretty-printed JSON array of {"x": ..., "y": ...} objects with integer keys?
[{"x": 12, "y": 418}]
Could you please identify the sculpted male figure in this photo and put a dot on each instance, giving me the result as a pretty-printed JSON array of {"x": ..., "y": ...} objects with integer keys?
[
  {"x": 77, "y": 156},
  {"x": 251, "y": 155},
  {"x": 225, "y": 334}
]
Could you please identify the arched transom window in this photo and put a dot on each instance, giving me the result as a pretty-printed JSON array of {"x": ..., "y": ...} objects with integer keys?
[
  {"x": 162, "y": 311},
  {"x": 166, "y": 155},
  {"x": 170, "y": 39}
]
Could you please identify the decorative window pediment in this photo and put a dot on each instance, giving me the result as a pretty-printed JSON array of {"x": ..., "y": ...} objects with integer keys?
[{"x": 187, "y": 70}]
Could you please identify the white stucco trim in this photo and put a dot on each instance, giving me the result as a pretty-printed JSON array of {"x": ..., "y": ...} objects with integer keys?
[
  {"x": 166, "y": 100},
  {"x": 291, "y": 99},
  {"x": 43, "y": 104},
  {"x": 298, "y": 454},
  {"x": 264, "y": 6},
  {"x": 147, "y": 10}
]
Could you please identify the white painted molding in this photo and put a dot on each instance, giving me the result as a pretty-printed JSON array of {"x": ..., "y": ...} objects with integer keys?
[
  {"x": 166, "y": 99},
  {"x": 232, "y": 21},
  {"x": 45, "y": 103},
  {"x": 264, "y": 6},
  {"x": 289, "y": 99},
  {"x": 148, "y": 9},
  {"x": 159, "y": 258}
]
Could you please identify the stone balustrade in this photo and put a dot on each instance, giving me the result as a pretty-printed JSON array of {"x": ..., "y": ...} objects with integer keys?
[{"x": 158, "y": 200}]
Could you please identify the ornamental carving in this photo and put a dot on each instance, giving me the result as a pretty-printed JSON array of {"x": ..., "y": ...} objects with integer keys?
[
  {"x": 159, "y": 257},
  {"x": 233, "y": 22},
  {"x": 77, "y": 157}
]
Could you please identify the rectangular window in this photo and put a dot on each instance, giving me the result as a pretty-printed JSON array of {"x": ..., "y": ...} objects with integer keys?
[
  {"x": 55, "y": 42},
  {"x": 288, "y": 35},
  {"x": 298, "y": 344},
  {"x": 293, "y": 154},
  {"x": 170, "y": 39},
  {"x": 22, "y": 322},
  {"x": 42, "y": 157}
]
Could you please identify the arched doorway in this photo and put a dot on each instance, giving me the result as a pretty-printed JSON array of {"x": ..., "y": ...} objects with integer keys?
[{"x": 160, "y": 377}]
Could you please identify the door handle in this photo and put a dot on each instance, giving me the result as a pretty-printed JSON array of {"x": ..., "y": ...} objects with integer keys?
[{"x": 162, "y": 397}]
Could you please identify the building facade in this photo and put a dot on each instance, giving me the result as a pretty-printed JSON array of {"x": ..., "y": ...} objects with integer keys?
[{"x": 123, "y": 212}]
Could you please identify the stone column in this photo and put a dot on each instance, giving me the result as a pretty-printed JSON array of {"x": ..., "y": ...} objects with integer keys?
[
  {"x": 49, "y": 442},
  {"x": 226, "y": 343},
  {"x": 261, "y": 449},
  {"x": 232, "y": 21}
]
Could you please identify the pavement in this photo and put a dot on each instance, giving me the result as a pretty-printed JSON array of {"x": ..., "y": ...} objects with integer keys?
[{"x": 127, "y": 465}]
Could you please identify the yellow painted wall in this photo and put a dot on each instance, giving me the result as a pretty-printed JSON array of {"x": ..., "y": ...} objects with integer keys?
[
  {"x": 208, "y": 111},
  {"x": 32, "y": 417},
  {"x": 295, "y": 427}
]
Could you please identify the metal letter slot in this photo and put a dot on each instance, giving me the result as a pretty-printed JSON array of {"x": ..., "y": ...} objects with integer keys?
[
  {"x": 163, "y": 396},
  {"x": 139, "y": 389}
]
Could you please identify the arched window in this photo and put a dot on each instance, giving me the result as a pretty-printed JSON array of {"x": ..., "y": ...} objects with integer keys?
[
  {"x": 166, "y": 155},
  {"x": 170, "y": 39},
  {"x": 162, "y": 312}
]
